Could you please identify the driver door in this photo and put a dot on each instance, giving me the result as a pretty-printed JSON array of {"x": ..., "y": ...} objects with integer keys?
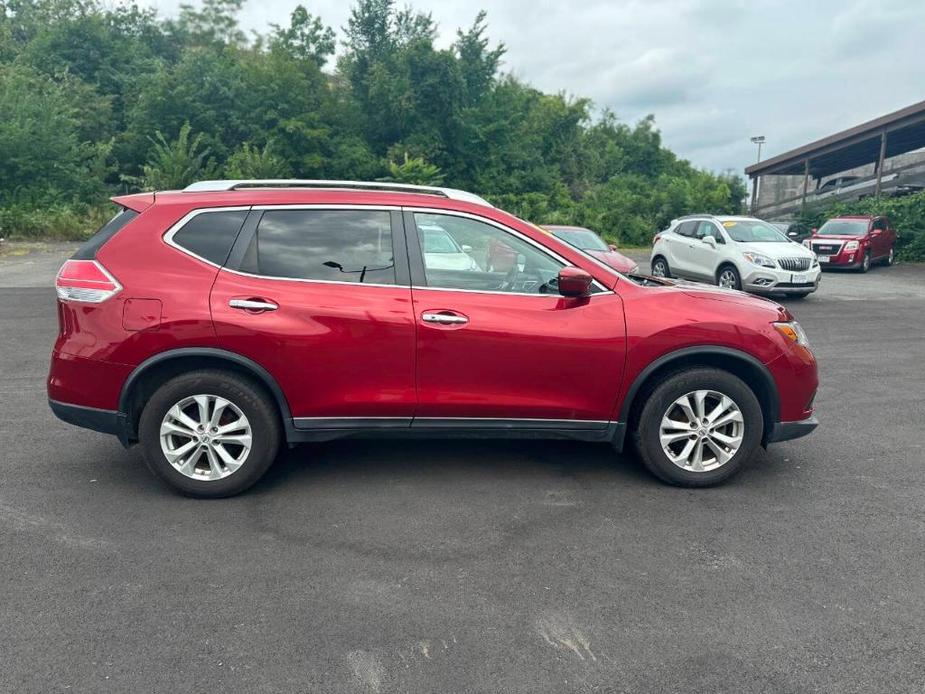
[{"x": 497, "y": 344}]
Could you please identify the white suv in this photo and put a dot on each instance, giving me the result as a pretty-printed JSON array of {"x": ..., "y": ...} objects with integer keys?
[{"x": 735, "y": 253}]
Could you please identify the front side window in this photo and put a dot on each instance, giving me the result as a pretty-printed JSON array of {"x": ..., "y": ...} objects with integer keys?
[
  {"x": 326, "y": 245},
  {"x": 483, "y": 257}
]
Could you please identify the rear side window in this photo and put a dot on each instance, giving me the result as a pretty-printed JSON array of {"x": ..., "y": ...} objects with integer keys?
[
  {"x": 210, "y": 235},
  {"x": 88, "y": 250},
  {"x": 328, "y": 245},
  {"x": 687, "y": 228}
]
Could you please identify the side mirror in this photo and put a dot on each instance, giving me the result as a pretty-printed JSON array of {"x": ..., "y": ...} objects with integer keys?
[
  {"x": 710, "y": 241},
  {"x": 467, "y": 248},
  {"x": 813, "y": 230},
  {"x": 574, "y": 282}
]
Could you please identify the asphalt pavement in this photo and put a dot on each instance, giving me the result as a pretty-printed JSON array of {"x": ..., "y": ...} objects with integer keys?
[{"x": 477, "y": 566}]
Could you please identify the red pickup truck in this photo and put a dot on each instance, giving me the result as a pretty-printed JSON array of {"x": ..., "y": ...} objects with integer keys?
[{"x": 853, "y": 241}]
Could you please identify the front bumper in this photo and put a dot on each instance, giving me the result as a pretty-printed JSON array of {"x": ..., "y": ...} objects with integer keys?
[
  {"x": 785, "y": 431},
  {"x": 765, "y": 280}
]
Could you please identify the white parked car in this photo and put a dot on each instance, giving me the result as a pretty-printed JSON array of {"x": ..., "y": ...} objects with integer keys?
[
  {"x": 735, "y": 253},
  {"x": 442, "y": 252}
]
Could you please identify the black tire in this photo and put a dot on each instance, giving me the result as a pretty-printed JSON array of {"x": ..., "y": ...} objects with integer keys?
[
  {"x": 865, "y": 263},
  {"x": 737, "y": 283},
  {"x": 657, "y": 404},
  {"x": 247, "y": 396},
  {"x": 889, "y": 260},
  {"x": 660, "y": 261}
]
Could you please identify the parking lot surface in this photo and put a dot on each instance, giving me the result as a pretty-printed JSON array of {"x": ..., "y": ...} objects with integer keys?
[{"x": 471, "y": 566}]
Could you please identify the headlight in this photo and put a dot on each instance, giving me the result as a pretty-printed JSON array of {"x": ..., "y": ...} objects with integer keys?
[
  {"x": 807, "y": 244},
  {"x": 851, "y": 246},
  {"x": 793, "y": 332},
  {"x": 758, "y": 259},
  {"x": 815, "y": 262}
]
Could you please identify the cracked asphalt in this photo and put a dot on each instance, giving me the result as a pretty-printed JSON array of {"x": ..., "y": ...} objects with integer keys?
[{"x": 471, "y": 566}]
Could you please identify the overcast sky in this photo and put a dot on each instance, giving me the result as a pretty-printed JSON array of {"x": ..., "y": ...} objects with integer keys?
[{"x": 714, "y": 72}]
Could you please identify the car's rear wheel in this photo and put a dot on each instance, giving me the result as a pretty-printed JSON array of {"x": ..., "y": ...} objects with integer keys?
[
  {"x": 660, "y": 267},
  {"x": 865, "y": 262},
  {"x": 728, "y": 278},
  {"x": 889, "y": 258},
  {"x": 209, "y": 433},
  {"x": 698, "y": 427}
]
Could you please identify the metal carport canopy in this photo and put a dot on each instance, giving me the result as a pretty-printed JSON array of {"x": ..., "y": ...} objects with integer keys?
[{"x": 904, "y": 130}]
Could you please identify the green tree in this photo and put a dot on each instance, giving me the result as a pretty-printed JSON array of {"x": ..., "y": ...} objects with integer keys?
[
  {"x": 414, "y": 170},
  {"x": 174, "y": 165},
  {"x": 253, "y": 162}
]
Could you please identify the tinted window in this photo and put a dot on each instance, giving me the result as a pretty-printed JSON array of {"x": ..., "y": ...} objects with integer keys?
[
  {"x": 879, "y": 224},
  {"x": 488, "y": 258},
  {"x": 88, "y": 250},
  {"x": 687, "y": 228},
  {"x": 331, "y": 245},
  {"x": 210, "y": 235}
]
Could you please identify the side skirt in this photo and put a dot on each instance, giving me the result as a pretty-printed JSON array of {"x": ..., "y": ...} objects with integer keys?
[{"x": 328, "y": 429}]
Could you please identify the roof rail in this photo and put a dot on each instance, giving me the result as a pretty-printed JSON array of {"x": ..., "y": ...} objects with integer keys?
[{"x": 225, "y": 185}]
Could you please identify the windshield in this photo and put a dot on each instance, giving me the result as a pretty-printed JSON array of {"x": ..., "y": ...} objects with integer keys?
[
  {"x": 846, "y": 227},
  {"x": 753, "y": 231},
  {"x": 585, "y": 239},
  {"x": 437, "y": 240}
]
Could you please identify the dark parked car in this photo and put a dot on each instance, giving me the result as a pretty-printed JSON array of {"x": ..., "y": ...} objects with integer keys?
[{"x": 214, "y": 324}]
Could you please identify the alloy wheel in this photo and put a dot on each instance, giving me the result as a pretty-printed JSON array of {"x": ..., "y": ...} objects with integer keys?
[
  {"x": 659, "y": 269},
  {"x": 205, "y": 437},
  {"x": 702, "y": 430},
  {"x": 727, "y": 279}
]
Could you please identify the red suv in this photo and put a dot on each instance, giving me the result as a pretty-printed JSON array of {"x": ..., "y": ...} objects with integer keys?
[
  {"x": 853, "y": 242},
  {"x": 212, "y": 325}
]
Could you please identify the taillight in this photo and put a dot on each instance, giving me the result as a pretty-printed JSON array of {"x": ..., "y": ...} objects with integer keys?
[
  {"x": 657, "y": 237},
  {"x": 86, "y": 281}
]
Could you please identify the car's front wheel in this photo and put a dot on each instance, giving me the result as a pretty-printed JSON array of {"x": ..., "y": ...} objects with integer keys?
[
  {"x": 865, "y": 262},
  {"x": 728, "y": 278},
  {"x": 209, "y": 433},
  {"x": 698, "y": 427}
]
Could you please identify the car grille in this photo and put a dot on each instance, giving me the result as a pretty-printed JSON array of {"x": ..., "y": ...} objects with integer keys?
[
  {"x": 794, "y": 264},
  {"x": 827, "y": 248}
]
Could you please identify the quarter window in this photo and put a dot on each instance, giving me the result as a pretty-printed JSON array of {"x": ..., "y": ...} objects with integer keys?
[
  {"x": 464, "y": 253},
  {"x": 210, "y": 235},
  {"x": 326, "y": 245}
]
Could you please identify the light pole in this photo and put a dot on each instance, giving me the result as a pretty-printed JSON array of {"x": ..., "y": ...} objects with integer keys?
[{"x": 758, "y": 140}]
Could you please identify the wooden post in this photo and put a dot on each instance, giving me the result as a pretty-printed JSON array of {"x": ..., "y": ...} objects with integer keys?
[
  {"x": 754, "y": 194},
  {"x": 805, "y": 184},
  {"x": 880, "y": 161}
]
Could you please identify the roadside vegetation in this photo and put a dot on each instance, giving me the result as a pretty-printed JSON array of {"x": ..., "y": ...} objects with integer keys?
[
  {"x": 907, "y": 214},
  {"x": 98, "y": 99}
]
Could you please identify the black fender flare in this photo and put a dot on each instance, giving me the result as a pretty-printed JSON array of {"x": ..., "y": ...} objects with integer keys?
[
  {"x": 255, "y": 369},
  {"x": 705, "y": 350}
]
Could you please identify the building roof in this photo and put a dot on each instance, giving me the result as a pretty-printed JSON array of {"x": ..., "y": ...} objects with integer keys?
[{"x": 851, "y": 148}]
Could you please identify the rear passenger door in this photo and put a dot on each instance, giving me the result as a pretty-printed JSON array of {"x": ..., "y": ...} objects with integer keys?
[
  {"x": 704, "y": 257},
  {"x": 320, "y": 297},
  {"x": 680, "y": 248}
]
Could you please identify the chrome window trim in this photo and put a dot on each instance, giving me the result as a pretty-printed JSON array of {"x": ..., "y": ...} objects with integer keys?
[
  {"x": 503, "y": 227},
  {"x": 185, "y": 219},
  {"x": 171, "y": 232}
]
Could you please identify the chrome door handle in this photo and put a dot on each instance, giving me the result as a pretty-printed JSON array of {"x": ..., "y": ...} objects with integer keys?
[
  {"x": 253, "y": 304},
  {"x": 444, "y": 318}
]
